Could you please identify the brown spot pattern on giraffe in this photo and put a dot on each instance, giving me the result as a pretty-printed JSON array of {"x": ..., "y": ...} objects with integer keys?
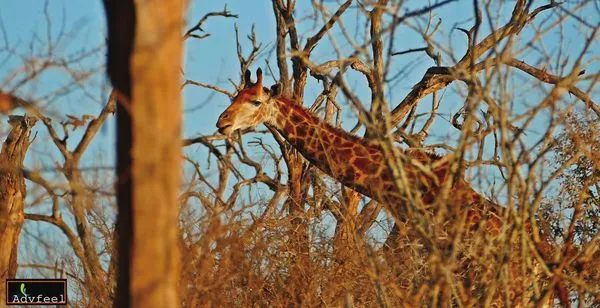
[
  {"x": 344, "y": 154},
  {"x": 284, "y": 108},
  {"x": 365, "y": 165},
  {"x": 348, "y": 175},
  {"x": 360, "y": 151},
  {"x": 301, "y": 131},
  {"x": 290, "y": 129},
  {"x": 297, "y": 117}
]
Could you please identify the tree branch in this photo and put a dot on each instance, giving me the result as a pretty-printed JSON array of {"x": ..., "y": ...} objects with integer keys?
[
  {"x": 94, "y": 126},
  {"x": 208, "y": 86},
  {"x": 198, "y": 27}
]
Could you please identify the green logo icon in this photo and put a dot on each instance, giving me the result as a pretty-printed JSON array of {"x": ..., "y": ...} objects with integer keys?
[{"x": 23, "y": 290}]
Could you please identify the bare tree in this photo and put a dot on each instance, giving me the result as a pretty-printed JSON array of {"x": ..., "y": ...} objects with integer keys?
[{"x": 69, "y": 202}]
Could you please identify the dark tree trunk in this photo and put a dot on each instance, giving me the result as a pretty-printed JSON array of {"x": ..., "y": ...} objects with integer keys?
[{"x": 120, "y": 15}]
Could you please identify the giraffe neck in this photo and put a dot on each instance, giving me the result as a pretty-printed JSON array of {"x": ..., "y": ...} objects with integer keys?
[
  {"x": 353, "y": 161},
  {"x": 347, "y": 158}
]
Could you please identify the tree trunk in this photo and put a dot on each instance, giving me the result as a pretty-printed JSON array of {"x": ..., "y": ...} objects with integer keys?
[
  {"x": 145, "y": 49},
  {"x": 346, "y": 226},
  {"x": 300, "y": 273},
  {"x": 12, "y": 195}
]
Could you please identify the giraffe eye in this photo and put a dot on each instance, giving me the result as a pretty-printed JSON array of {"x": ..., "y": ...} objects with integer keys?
[{"x": 256, "y": 103}]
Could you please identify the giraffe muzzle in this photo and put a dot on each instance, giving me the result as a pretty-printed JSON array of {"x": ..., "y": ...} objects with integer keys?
[
  {"x": 224, "y": 125},
  {"x": 225, "y": 130}
]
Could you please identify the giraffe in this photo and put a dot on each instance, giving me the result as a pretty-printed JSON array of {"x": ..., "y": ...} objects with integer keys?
[{"x": 358, "y": 163}]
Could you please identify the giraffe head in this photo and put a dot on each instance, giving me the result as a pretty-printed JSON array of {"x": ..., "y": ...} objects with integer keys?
[{"x": 251, "y": 107}]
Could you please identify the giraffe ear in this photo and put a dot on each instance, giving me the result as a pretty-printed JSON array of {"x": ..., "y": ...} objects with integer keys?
[
  {"x": 276, "y": 89},
  {"x": 247, "y": 78},
  {"x": 259, "y": 78}
]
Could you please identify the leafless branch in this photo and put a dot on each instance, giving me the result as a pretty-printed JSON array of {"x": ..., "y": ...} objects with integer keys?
[{"x": 198, "y": 27}]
